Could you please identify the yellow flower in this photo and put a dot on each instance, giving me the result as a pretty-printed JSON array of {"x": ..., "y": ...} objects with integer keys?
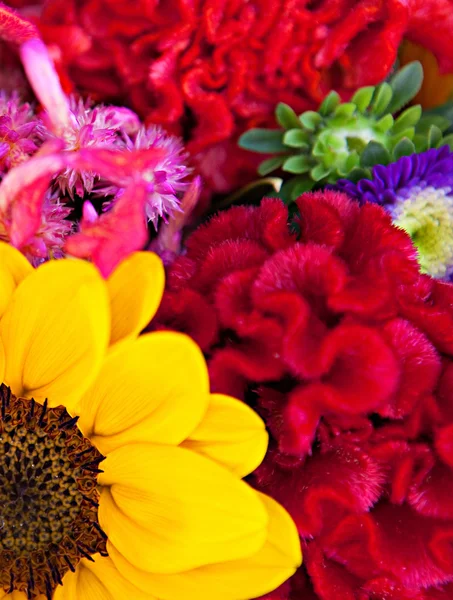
[{"x": 165, "y": 516}]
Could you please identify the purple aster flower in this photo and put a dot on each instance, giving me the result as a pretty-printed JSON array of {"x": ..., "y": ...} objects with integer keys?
[
  {"x": 417, "y": 191},
  {"x": 167, "y": 181},
  {"x": 21, "y": 132}
]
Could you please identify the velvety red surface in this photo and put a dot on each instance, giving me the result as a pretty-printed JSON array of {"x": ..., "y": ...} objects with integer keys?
[
  {"x": 329, "y": 331},
  {"x": 209, "y": 69}
]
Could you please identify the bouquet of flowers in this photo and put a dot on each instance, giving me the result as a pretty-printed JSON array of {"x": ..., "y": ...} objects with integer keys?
[{"x": 226, "y": 300}]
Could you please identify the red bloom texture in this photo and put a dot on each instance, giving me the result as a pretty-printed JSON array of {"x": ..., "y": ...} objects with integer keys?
[
  {"x": 326, "y": 327},
  {"x": 209, "y": 69}
]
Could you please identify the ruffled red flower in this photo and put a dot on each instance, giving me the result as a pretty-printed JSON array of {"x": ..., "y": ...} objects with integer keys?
[
  {"x": 208, "y": 69},
  {"x": 326, "y": 327}
]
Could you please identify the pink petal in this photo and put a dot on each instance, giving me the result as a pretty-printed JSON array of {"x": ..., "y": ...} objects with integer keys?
[
  {"x": 27, "y": 209},
  {"x": 115, "y": 234},
  {"x": 44, "y": 80}
]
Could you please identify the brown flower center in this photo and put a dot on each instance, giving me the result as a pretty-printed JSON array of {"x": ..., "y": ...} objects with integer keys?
[{"x": 48, "y": 496}]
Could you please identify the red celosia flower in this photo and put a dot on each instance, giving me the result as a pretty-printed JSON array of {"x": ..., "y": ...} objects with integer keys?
[
  {"x": 327, "y": 328},
  {"x": 209, "y": 69}
]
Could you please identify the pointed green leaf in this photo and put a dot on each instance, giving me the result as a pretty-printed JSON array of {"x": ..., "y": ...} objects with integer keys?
[
  {"x": 265, "y": 141},
  {"x": 374, "y": 154},
  {"x": 420, "y": 142},
  {"x": 329, "y": 104},
  {"x": 403, "y": 148},
  {"x": 296, "y": 138},
  {"x": 347, "y": 109},
  {"x": 319, "y": 172},
  {"x": 297, "y": 164},
  {"x": 286, "y": 117},
  {"x": 270, "y": 164},
  {"x": 431, "y": 119},
  {"x": 320, "y": 148},
  {"x": 384, "y": 124},
  {"x": 381, "y": 99},
  {"x": 434, "y": 136},
  {"x": 405, "y": 84},
  {"x": 445, "y": 111},
  {"x": 359, "y": 173},
  {"x": 447, "y": 141},
  {"x": 352, "y": 161},
  {"x": 300, "y": 185},
  {"x": 408, "y": 133},
  {"x": 310, "y": 119},
  {"x": 362, "y": 98},
  {"x": 408, "y": 118}
]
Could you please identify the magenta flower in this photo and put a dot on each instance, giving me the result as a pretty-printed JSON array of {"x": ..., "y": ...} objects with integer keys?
[
  {"x": 89, "y": 152},
  {"x": 167, "y": 180},
  {"x": 21, "y": 132},
  {"x": 93, "y": 127}
]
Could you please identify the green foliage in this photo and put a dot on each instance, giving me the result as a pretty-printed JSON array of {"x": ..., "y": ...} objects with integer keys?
[{"x": 347, "y": 139}]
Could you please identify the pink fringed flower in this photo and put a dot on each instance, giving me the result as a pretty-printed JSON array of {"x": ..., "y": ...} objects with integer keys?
[
  {"x": 93, "y": 127},
  {"x": 90, "y": 152},
  {"x": 167, "y": 180},
  {"x": 49, "y": 239},
  {"x": 21, "y": 132}
]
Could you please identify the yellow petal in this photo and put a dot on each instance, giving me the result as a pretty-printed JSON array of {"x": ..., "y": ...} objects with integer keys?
[
  {"x": 98, "y": 580},
  {"x": 14, "y": 267},
  {"x": 235, "y": 580},
  {"x": 135, "y": 288},
  {"x": 55, "y": 332},
  {"x": 2, "y": 362},
  {"x": 230, "y": 433},
  {"x": 169, "y": 509},
  {"x": 151, "y": 389}
]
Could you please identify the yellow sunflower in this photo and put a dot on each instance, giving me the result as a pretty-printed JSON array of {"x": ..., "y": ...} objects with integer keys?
[{"x": 121, "y": 473}]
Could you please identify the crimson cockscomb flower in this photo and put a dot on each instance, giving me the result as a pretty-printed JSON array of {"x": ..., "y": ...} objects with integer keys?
[
  {"x": 325, "y": 325},
  {"x": 212, "y": 69}
]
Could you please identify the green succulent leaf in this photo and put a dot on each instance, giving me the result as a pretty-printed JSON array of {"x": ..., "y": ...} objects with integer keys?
[
  {"x": 270, "y": 164},
  {"x": 447, "y": 141},
  {"x": 405, "y": 84},
  {"x": 286, "y": 117},
  {"x": 301, "y": 184},
  {"x": 404, "y": 147},
  {"x": 264, "y": 141},
  {"x": 408, "y": 133},
  {"x": 427, "y": 120},
  {"x": 385, "y": 123},
  {"x": 362, "y": 98},
  {"x": 381, "y": 99},
  {"x": 420, "y": 142},
  {"x": 359, "y": 173},
  {"x": 352, "y": 161},
  {"x": 347, "y": 109},
  {"x": 407, "y": 119},
  {"x": 434, "y": 136},
  {"x": 329, "y": 104},
  {"x": 319, "y": 172},
  {"x": 310, "y": 119},
  {"x": 297, "y": 164},
  {"x": 296, "y": 138},
  {"x": 374, "y": 154}
]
